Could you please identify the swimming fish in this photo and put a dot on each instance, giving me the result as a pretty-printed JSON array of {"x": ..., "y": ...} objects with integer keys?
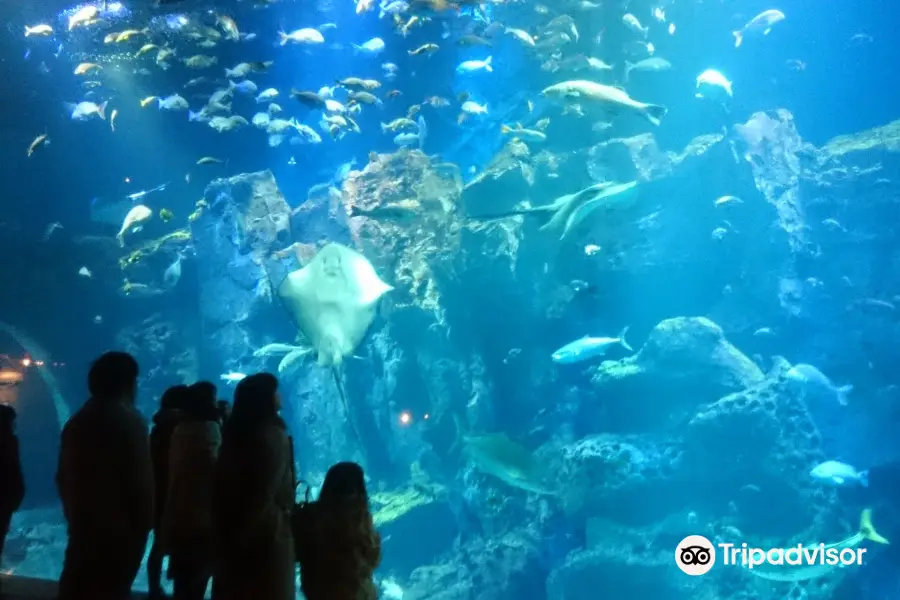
[
  {"x": 813, "y": 378},
  {"x": 589, "y": 347},
  {"x": 837, "y": 473},
  {"x": 762, "y": 22}
]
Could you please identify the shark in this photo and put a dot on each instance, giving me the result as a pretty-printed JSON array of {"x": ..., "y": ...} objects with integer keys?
[
  {"x": 566, "y": 213},
  {"x": 819, "y": 564}
]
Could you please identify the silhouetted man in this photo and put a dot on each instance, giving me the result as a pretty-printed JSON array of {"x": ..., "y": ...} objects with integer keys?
[{"x": 105, "y": 481}]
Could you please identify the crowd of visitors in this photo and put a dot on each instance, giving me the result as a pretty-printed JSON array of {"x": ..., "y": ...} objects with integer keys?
[{"x": 215, "y": 487}]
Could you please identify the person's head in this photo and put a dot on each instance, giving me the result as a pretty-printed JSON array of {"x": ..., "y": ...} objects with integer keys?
[
  {"x": 113, "y": 378},
  {"x": 174, "y": 398},
  {"x": 200, "y": 404},
  {"x": 7, "y": 419},
  {"x": 343, "y": 480},
  {"x": 256, "y": 400}
]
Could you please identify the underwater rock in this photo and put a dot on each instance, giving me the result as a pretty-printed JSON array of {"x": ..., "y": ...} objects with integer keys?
[
  {"x": 496, "y": 568},
  {"x": 765, "y": 440},
  {"x": 403, "y": 218},
  {"x": 606, "y": 471},
  {"x": 245, "y": 221},
  {"x": 508, "y": 175},
  {"x": 167, "y": 353},
  {"x": 629, "y": 567},
  {"x": 402, "y": 515},
  {"x": 321, "y": 217},
  {"x": 685, "y": 362},
  {"x": 636, "y": 158}
]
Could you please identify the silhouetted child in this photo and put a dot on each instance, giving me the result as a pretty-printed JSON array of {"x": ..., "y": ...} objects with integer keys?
[
  {"x": 338, "y": 547},
  {"x": 12, "y": 485}
]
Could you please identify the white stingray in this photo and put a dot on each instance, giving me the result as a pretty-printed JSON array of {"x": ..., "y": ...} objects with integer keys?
[{"x": 333, "y": 300}]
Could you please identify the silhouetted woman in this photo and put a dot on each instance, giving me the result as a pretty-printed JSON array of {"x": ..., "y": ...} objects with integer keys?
[
  {"x": 254, "y": 498},
  {"x": 338, "y": 546},
  {"x": 12, "y": 484},
  {"x": 187, "y": 523},
  {"x": 165, "y": 421}
]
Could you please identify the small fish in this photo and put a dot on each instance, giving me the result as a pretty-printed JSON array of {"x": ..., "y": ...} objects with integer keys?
[
  {"x": 423, "y": 49},
  {"x": 173, "y": 102},
  {"x": 728, "y": 200},
  {"x": 112, "y": 119},
  {"x": 86, "y": 110},
  {"x": 711, "y": 83},
  {"x": 591, "y": 249},
  {"x": 648, "y": 65},
  {"x": 632, "y": 23},
  {"x": 809, "y": 375},
  {"x": 471, "y": 66},
  {"x": 83, "y": 16},
  {"x": 301, "y": 36},
  {"x": 371, "y": 47},
  {"x": 229, "y": 27},
  {"x": 85, "y": 272},
  {"x": 395, "y": 7},
  {"x": 589, "y": 347},
  {"x": 209, "y": 160},
  {"x": 48, "y": 231},
  {"x": 41, "y": 139},
  {"x": 145, "y": 49},
  {"x": 523, "y": 36},
  {"x": 86, "y": 67},
  {"x": 528, "y": 135},
  {"x": 763, "y": 22},
  {"x": 267, "y": 95},
  {"x": 473, "y": 108},
  {"x": 132, "y": 222},
  {"x": 838, "y": 473},
  {"x": 232, "y": 377},
  {"x": 40, "y": 29},
  {"x": 172, "y": 274},
  {"x": 274, "y": 349}
]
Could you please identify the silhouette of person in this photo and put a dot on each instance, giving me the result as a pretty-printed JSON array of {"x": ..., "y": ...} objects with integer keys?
[
  {"x": 253, "y": 498},
  {"x": 338, "y": 547},
  {"x": 105, "y": 481},
  {"x": 12, "y": 484},
  {"x": 164, "y": 422},
  {"x": 187, "y": 523}
]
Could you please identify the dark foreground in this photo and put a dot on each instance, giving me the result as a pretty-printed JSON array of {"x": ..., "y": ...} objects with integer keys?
[{"x": 26, "y": 588}]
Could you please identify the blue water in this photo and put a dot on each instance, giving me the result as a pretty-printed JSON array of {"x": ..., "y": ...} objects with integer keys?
[{"x": 485, "y": 366}]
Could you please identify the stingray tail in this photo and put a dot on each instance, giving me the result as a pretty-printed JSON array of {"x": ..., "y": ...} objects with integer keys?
[{"x": 343, "y": 394}]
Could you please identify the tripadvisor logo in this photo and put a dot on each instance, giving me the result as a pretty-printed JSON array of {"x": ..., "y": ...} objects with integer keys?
[{"x": 696, "y": 555}]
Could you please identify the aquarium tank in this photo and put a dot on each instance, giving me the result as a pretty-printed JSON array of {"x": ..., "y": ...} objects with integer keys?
[{"x": 602, "y": 294}]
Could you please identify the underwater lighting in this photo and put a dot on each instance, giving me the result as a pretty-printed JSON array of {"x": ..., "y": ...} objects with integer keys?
[
  {"x": 405, "y": 418},
  {"x": 26, "y": 362},
  {"x": 176, "y": 21}
]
